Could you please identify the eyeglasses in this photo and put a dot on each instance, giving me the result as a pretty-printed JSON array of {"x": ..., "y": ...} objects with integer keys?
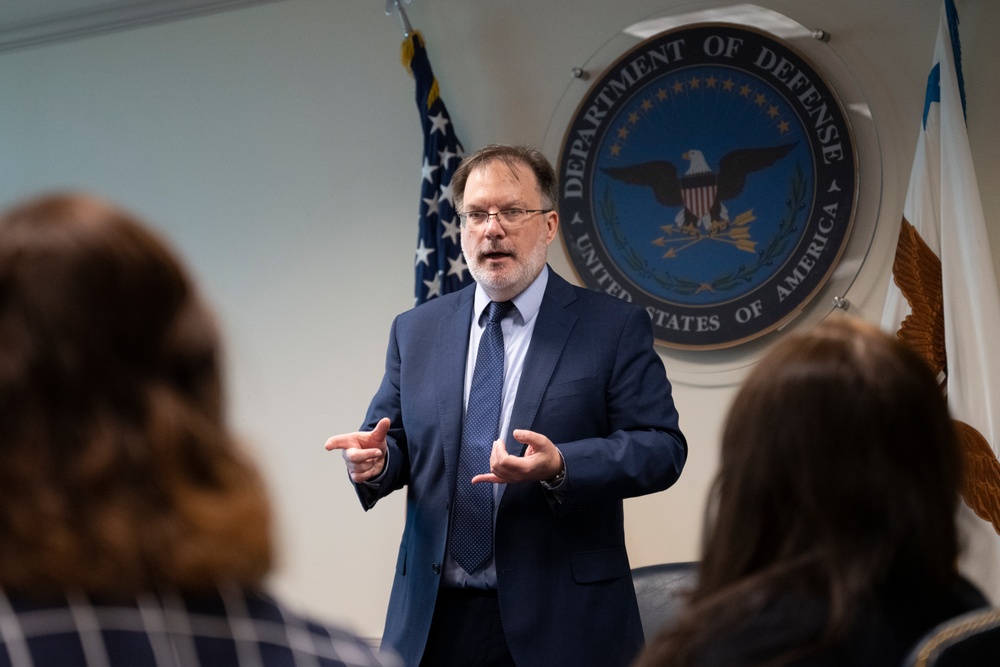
[{"x": 512, "y": 218}]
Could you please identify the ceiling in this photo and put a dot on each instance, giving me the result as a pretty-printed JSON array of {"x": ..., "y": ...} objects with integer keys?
[{"x": 25, "y": 23}]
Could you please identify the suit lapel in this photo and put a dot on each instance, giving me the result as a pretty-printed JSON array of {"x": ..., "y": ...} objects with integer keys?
[
  {"x": 551, "y": 333},
  {"x": 452, "y": 348}
]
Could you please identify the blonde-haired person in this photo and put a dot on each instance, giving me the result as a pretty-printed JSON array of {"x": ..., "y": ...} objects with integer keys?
[
  {"x": 133, "y": 529},
  {"x": 830, "y": 535}
]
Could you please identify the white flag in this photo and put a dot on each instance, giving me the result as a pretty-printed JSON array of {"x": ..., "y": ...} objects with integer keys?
[{"x": 943, "y": 298}]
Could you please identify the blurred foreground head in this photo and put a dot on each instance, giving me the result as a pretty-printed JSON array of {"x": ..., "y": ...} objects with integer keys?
[
  {"x": 117, "y": 469},
  {"x": 839, "y": 456},
  {"x": 834, "y": 505}
]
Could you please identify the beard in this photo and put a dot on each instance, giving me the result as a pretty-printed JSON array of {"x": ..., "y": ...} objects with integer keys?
[{"x": 509, "y": 280}]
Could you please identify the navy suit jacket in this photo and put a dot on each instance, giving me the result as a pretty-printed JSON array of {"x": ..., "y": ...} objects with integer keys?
[{"x": 593, "y": 384}]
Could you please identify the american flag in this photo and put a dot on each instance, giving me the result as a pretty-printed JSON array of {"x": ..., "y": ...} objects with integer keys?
[{"x": 439, "y": 264}]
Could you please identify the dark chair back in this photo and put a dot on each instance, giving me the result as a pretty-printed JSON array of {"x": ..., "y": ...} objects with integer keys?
[
  {"x": 661, "y": 591},
  {"x": 969, "y": 640}
]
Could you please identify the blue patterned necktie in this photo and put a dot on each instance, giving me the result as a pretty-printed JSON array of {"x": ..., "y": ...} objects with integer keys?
[{"x": 472, "y": 524}]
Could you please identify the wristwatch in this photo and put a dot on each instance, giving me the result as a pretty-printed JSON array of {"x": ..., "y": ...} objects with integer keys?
[{"x": 557, "y": 480}]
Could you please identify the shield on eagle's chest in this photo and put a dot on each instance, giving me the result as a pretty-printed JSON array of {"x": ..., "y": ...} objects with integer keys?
[{"x": 699, "y": 193}]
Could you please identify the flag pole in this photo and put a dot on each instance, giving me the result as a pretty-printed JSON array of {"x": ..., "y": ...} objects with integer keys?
[{"x": 404, "y": 20}]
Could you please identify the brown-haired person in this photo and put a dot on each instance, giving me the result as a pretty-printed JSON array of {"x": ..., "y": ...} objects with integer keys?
[
  {"x": 518, "y": 413},
  {"x": 133, "y": 530},
  {"x": 831, "y": 534}
]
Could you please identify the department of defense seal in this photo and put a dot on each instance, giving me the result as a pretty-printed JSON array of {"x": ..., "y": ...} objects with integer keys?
[{"x": 709, "y": 175}]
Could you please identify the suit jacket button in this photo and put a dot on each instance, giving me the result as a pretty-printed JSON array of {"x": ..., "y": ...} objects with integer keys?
[{"x": 436, "y": 568}]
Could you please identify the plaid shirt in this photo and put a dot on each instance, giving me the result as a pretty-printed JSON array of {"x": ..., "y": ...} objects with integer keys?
[{"x": 227, "y": 627}]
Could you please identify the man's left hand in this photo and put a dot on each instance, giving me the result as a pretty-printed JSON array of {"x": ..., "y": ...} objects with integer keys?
[{"x": 541, "y": 461}]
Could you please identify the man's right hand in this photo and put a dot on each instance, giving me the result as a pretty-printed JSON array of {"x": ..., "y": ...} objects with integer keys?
[{"x": 364, "y": 451}]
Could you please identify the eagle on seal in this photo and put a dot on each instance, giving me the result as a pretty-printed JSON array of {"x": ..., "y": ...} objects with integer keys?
[{"x": 700, "y": 191}]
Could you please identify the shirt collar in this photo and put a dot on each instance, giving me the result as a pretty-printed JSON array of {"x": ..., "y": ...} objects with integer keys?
[{"x": 527, "y": 302}]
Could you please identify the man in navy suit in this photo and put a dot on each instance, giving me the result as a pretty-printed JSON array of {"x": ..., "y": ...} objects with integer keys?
[{"x": 586, "y": 420}]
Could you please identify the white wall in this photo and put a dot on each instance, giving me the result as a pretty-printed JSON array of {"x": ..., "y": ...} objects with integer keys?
[{"x": 279, "y": 147}]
